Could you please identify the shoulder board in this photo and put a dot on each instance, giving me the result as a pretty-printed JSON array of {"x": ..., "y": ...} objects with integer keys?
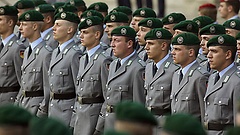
[
  {"x": 48, "y": 37},
  {"x": 141, "y": 62},
  {"x": 65, "y": 51},
  {"x": 48, "y": 48},
  {"x": 10, "y": 43},
  {"x": 201, "y": 70},
  {"x": 167, "y": 64},
  {"x": 226, "y": 79},
  {"x": 37, "y": 51},
  {"x": 76, "y": 48},
  {"x": 19, "y": 42},
  {"x": 105, "y": 54},
  {"x": 238, "y": 74},
  {"x": 129, "y": 62}
]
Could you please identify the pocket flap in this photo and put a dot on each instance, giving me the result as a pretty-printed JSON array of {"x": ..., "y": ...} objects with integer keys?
[
  {"x": 221, "y": 101},
  {"x": 62, "y": 72},
  {"x": 121, "y": 87},
  {"x": 187, "y": 96}
]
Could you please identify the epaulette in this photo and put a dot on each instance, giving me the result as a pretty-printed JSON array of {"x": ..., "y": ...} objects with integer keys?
[
  {"x": 19, "y": 42},
  {"x": 105, "y": 54},
  {"x": 47, "y": 47},
  {"x": 10, "y": 43},
  {"x": 76, "y": 48},
  {"x": 66, "y": 50},
  {"x": 202, "y": 57},
  {"x": 201, "y": 70},
  {"x": 141, "y": 62},
  {"x": 167, "y": 64}
]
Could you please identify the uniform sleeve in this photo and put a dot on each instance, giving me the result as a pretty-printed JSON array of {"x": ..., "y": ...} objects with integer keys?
[
  {"x": 18, "y": 62},
  {"x": 75, "y": 66},
  {"x": 138, "y": 86}
]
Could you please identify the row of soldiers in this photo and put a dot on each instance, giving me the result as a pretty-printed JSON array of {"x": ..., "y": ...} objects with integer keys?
[{"x": 64, "y": 63}]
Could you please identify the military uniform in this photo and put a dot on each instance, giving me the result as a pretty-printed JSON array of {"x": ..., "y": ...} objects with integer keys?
[
  {"x": 62, "y": 79},
  {"x": 92, "y": 83},
  {"x": 11, "y": 58},
  {"x": 49, "y": 39},
  {"x": 201, "y": 58},
  {"x": 187, "y": 97}
]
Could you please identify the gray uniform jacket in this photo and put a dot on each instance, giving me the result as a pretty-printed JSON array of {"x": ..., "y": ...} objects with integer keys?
[
  {"x": 221, "y": 99},
  {"x": 187, "y": 97},
  {"x": 92, "y": 82},
  {"x": 62, "y": 79},
  {"x": 50, "y": 40},
  {"x": 11, "y": 58},
  {"x": 159, "y": 87},
  {"x": 127, "y": 83},
  {"x": 35, "y": 77},
  {"x": 201, "y": 58}
]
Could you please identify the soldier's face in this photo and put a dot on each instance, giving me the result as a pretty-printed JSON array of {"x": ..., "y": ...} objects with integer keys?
[
  {"x": 223, "y": 10},
  {"x": 238, "y": 48},
  {"x": 27, "y": 29},
  {"x": 109, "y": 28},
  {"x": 154, "y": 49},
  {"x": 141, "y": 34},
  {"x": 180, "y": 55},
  {"x": 3, "y": 24},
  {"x": 204, "y": 41},
  {"x": 232, "y": 32},
  {"x": 169, "y": 27},
  {"x": 60, "y": 29},
  {"x": 88, "y": 37},
  {"x": 120, "y": 46},
  {"x": 134, "y": 22},
  {"x": 218, "y": 58}
]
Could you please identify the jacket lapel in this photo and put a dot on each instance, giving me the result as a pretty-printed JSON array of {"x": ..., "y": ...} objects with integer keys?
[{"x": 6, "y": 47}]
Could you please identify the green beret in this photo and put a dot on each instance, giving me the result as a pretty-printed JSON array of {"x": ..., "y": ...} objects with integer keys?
[
  {"x": 213, "y": 29},
  {"x": 39, "y": 2},
  {"x": 232, "y": 24},
  {"x": 173, "y": 18},
  {"x": 124, "y": 31},
  {"x": 151, "y": 23},
  {"x": 8, "y": 10},
  {"x": 24, "y": 4},
  {"x": 134, "y": 112},
  {"x": 145, "y": 12},
  {"x": 113, "y": 132},
  {"x": 90, "y": 21},
  {"x": 56, "y": 5},
  {"x": 116, "y": 17},
  {"x": 68, "y": 16},
  {"x": 66, "y": 8},
  {"x": 14, "y": 115},
  {"x": 48, "y": 126},
  {"x": 124, "y": 9},
  {"x": 89, "y": 13},
  {"x": 158, "y": 33},
  {"x": 222, "y": 40},
  {"x": 187, "y": 25},
  {"x": 238, "y": 36},
  {"x": 99, "y": 6},
  {"x": 183, "y": 124},
  {"x": 203, "y": 21},
  {"x": 187, "y": 39},
  {"x": 45, "y": 8},
  {"x": 31, "y": 15},
  {"x": 233, "y": 131},
  {"x": 77, "y": 3}
]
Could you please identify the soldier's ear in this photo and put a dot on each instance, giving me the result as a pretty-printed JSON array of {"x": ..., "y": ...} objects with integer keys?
[
  {"x": 230, "y": 8},
  {"x": 97, "y": 34},
  {"x": 228, "y": 54},
  {"x": 191, "y": 52}
]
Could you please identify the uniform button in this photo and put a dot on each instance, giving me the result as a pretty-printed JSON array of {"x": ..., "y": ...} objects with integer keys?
[
  {"x": 108, "y": 98},
  {"x": 81, "y": 89},
  {"x": 5, "y": 63},
  {"x": 176, "y": 100},
  {"x": 82, "y": 80},
  {"x": 52, "y": 74},
  {"x": 208, "y": 103},
  {"x": 23, "y": 82},
  {"x": 120, "y": 87},
  {"x": 51, "y": 84},
  {"x": 187, "y": 98},
  {"x": 91, "y": 78},
  {"x": 34, "y": 70},
  {"x": 150, "y": 98},
  {"x": 24, "y": 72},
  {"x": 80, "y": 107},
  {"x": 71, "y": 107},
  {"x": 107, "y": 114},
  {"x": 161, "y": 88},
  {"x": 219, "y": 102},
  {"x": 199, "y": 68},
  {"x": 206, "y": 114},
  {"x": 51, "y": 105},
  {"x": 60, "y": 72},
  {"x": 22, "y": 102},
  {"x": 109, "y": 88},
  {"x": 151, "y": 87},
  {"x": 174, "y": 111},
  {"x": 11, "y": 98}
]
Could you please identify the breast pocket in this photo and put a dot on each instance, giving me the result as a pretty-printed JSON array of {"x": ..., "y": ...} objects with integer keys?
[
  {"x": 93, "y": 82},
  {"x": 7, "y": 68},
  {"x": 63, "y": 77},
  {"x": 36, "y": 75},
  {"x": 188, "y": 101},
  {"x": 163, "y": 92},
  {"x": 122, "y": 92},
  {"x": 222, "y": 106}
]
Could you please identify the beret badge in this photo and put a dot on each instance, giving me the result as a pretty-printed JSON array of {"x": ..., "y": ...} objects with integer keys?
[
  {"x": 189, "y": 27},
  {"x": 232, "y": 24},
  {"x": 159, "y": 34},
  {"x": 89, "y": 22},
  {"x": 142, "y": 12},
  {"x": 123, "y": 31},
  {"x": 63, "y": 15},
  {"x": 170, "y": 19},
  {"x": 112, "y": 17},
  {"x": 27, "y": 16},
  {"x": 2, "y": 11},
  {"x": 180, "y": 40},
  {"x": 96, "y": 7},
  {"x": 149, "y": 23},
  {"x": 212, "y": 29},
  {"x": 220, "y": 40}
]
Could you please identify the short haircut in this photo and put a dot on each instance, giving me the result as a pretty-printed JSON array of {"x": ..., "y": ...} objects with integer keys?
[
  {"x": 210, "y": 12},
  {"x": 195, "y": 48},
  {"x": 233, "y": 49},
  {"x": 134, "y": 42},
  {"x": 14, "y": 18},
  {"x": 98, "y": 28},
  {"x": 235, "y": 4}
]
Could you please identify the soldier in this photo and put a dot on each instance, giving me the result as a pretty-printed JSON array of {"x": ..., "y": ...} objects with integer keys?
[
  {"x": 189, "y": 82},
  {"x": 80, "y": 5},
  {"x": 223, "y": 88},
  {"x": 139, "y": 15},
  {"x": 145, "y": 26},
  {"x": 34, "y": 84},
  {"x": 124, "y": 9},
  {"x": 208, "y": 9},
  {"x": 186, "y": 26},
  {"x": 229, "y": 9},
  {"x": 203, "y": 21},
  {"x": 112, "y": 21},
  {"x": 237, "y": 59},
  {"x": 64, "y": 67},
  {"x": 92, "y": 77},
  {"x": 206, "y": 34},
  {"x": 14, "y": 120},
  {"x": 158, "y": 82},
  {"x": 126, "y": 75},
  {"x": 100, "y": 7},
  {"x": 11, "y": 56},
  {"x": 46, "y": 32},
  {"x": 232, "y": 27},
  {"x": 171, "y": 20},
  {"x": 89, "y": 13},
  {"x": 134, "y": 118},
  {"x": 39, "y": 2},
  {"x": 182, "y": 124}
]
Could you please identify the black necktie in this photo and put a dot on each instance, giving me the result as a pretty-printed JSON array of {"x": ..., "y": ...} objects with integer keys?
[
  {"x": 180, "y": 76},
  {"x": 86, "y": 60},
  {"x": 118, "y": 65},
  {"x": 1, "y": 47},
  {"x": 58, "y": 51},
  {"x": 29, "y": 51},
  {"x": 217, "y": 77},
  {"x": 154, "y": 69},
  {"x": 208, "y": 67}
]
